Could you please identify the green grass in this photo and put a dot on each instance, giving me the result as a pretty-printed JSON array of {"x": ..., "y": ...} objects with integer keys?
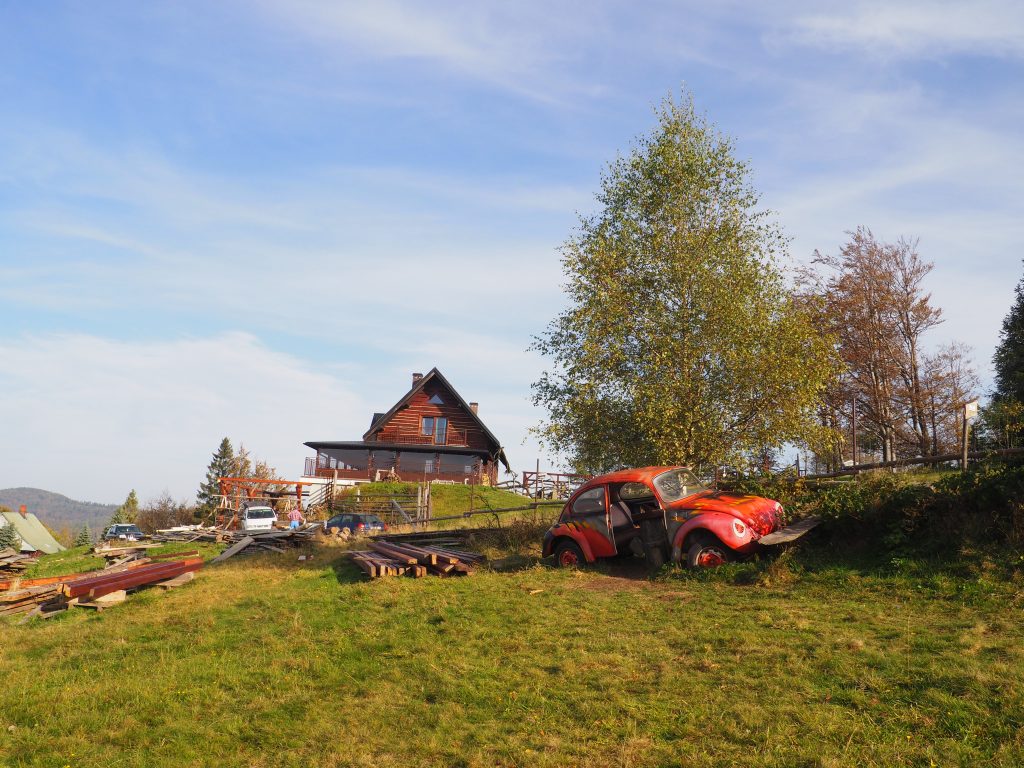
[{"x": 266, "y": 661}]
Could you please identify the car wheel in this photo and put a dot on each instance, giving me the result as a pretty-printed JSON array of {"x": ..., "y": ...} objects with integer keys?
[
  {"x": 706, "y": 552},
  {"x": 569, "y": 555}
]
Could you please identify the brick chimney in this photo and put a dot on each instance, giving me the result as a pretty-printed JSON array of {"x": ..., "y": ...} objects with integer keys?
[
  {"x": 416, "y": 378},
  {"x": 23, "y": 510},
  {"x": 474, "y": 407}
]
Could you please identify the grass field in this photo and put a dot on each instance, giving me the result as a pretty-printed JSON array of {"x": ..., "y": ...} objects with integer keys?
[{"x": 268, "y": 661}]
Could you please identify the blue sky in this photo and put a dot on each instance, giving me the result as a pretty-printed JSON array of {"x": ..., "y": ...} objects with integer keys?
[{"x": 258, "y": 219}]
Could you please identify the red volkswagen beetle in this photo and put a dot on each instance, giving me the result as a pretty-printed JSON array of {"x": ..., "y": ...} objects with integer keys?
[{"x": 664, "y": 512}]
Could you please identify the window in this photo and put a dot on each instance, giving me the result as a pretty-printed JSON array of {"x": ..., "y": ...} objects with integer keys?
[
  {"x": 677, "y": 484},
  {"x": 427, "y": 425},
  {"x": 441, "y": 433},
  {"x": 428, "y": 466},
  {"x": 589, "y": 503},
  {"x": 436, "y": 400}
]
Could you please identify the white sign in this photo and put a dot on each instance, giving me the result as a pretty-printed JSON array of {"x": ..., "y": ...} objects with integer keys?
[{"x": 971, "y": 409}]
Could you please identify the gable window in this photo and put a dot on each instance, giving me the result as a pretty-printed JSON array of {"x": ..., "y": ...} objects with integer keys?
[
  {"x": 427, "y": 425},
  {"x": 441, "y": 430},
  {"x": 436, "y": 400}
]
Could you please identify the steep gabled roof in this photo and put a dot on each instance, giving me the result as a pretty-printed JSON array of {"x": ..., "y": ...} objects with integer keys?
[{"x": 419, "y": 385}]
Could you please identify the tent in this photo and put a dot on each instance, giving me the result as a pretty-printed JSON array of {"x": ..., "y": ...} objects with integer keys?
[{"x": 33, "y": 533}]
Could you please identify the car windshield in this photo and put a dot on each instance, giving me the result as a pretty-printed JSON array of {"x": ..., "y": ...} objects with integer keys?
[
  {"x": 260, "y": 513},
  {"x": 677, "y": 484}
]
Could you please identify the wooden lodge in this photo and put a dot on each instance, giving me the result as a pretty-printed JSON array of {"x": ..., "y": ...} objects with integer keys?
[{"x": 431, "y": 434}]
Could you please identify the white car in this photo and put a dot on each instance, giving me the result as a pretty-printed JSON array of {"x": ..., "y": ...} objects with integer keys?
[{"x": 258, "y": 519}]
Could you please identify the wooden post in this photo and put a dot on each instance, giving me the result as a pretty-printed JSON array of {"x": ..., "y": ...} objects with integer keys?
[
  {"x": 963, "y": 448},
  {"x": 855, "y": 451}
]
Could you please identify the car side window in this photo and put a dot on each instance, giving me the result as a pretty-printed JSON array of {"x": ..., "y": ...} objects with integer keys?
[{"x": 589, "y": 503}]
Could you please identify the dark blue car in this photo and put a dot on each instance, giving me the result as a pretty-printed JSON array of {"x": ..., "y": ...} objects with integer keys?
[{"x": 355, "y": 524}]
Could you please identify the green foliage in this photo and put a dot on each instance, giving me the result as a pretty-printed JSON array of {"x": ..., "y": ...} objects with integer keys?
[
  {"x": 84, "y": 537},
  {"x": 222, "y": 464},
  {"x": 9, "y": 537},
  {"x": 128, "y": 511},
  {"x": 899, "y": 514},
  {"x": 681, "y": 342},
  {"x": 1009, "y": 355}
]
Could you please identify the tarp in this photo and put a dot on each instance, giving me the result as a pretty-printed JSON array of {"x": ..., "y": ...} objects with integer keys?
[{"x": 32, "y": 532}]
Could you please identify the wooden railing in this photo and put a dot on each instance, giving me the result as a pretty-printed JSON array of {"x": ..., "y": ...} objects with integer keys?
[{"x": 453, "y": 437}]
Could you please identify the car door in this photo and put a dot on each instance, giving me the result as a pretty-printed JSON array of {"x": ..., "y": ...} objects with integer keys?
[{"x": 590, "y": 515}]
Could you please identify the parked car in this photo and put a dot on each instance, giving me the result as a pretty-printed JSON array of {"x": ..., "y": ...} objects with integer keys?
[
  {"x": 258, "y": 518},
  {"x": 123, "y": 531},
  {"x": 664, "y": 513},
  {"x": 357, "y": 524}
]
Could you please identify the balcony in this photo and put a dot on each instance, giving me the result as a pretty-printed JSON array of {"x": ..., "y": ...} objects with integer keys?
[{"x": 453, "y": 437}]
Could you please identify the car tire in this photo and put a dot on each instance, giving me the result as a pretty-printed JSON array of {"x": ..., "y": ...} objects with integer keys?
[
  {"x": 569, "y": 555},
  {"x": 707, "y": 552}
]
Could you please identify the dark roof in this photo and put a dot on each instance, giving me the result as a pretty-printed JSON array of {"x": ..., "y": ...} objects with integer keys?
[
  {"x": 373, "y": 420},
  {"x": 436, "y": 374}
]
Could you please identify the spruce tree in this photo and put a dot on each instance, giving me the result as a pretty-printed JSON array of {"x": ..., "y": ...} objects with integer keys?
[
  {"x": 221, "y": 465},
  {"x": 84, "y": 538},
  {"x": 9, "y": 537},
  {"x": 1009, "y": 357}
]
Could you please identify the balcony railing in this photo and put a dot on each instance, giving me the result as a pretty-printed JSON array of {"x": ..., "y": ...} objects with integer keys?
[
  {"x": 320, "y": 467},
  {"x": 453, "y": 437}
]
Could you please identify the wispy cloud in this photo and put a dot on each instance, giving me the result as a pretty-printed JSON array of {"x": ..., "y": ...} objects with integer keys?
[
  {"x": 917, "y": 28},
  {"x": 518, "y": 47}
]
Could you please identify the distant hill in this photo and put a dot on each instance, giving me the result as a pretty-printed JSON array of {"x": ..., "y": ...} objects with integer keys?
[{"x": 59, "y": 513}]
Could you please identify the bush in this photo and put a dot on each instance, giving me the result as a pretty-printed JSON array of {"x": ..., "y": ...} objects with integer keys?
[{"x": 983, "y": 507}]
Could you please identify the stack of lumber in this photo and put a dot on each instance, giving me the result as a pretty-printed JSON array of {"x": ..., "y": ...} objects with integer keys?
[
  {"x": 45, "y": 596},
  {"x": 392, "y": 559},
  {"x": 12, "y": 561},
  {"x": 188, "y": 533},
  {"x": 264, "y": 541}
]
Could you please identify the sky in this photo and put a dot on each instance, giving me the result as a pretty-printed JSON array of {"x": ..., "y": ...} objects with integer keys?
[{"x": 258, "y": 219}]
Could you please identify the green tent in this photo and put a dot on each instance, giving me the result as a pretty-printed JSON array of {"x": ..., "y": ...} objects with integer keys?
[{"x": 33, "y": 533}]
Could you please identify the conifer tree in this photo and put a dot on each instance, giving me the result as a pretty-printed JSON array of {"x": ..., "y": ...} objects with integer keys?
[
  {"x": 9, "y": 537},
  {"x": 222, "y": 464},
  {"x": 84, "y": 538},
  {"x": 1009, "y": 356}
]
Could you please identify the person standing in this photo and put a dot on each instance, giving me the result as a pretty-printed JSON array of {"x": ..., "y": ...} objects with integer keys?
[{"x": 295, "y": 518}]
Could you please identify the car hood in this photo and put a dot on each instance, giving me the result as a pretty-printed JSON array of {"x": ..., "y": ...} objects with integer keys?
[{"x": 761, "y": 514}]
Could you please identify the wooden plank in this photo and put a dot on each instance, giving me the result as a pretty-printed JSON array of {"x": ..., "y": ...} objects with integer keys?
[
  {"x": 104, "y": 601},
  {"x": 233, "y": 550},
  {"x": 177, "y": 581}
]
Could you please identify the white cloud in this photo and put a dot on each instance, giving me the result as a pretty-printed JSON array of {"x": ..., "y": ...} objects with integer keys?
[
  {"x": 916, "y": 28},
  {"x": 516, "y": 47},
  {"x": 83, "y": 415}
]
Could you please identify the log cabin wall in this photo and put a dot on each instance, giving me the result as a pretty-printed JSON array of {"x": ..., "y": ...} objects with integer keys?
[{"x": 407, "y": 422}]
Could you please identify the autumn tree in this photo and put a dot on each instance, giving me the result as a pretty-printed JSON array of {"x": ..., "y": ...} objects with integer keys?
[
  {"x": 877, "y": 309},
  {"x": 164, "y": 512},
  {"x": 681, "y": 342}
]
